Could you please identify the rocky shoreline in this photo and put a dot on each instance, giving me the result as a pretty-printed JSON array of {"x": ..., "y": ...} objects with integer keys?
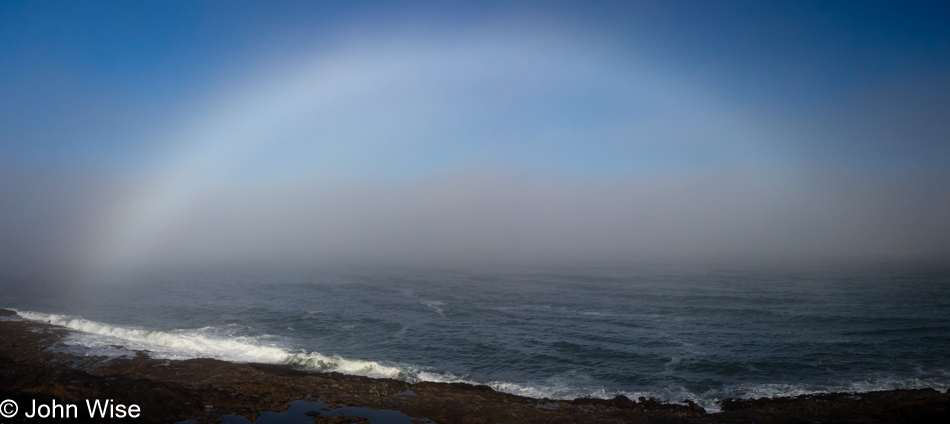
[{"x": 34, "y": 371}]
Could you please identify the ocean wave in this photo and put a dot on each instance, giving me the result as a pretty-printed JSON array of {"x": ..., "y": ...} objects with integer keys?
[
  {"x": 100, "y": 339},
  {"x": 710, "y": 399},
  {"x": 436, "y": 306}
]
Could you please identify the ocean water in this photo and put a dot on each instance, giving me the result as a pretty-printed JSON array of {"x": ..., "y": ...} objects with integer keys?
[{"x": 700, "y": 332}]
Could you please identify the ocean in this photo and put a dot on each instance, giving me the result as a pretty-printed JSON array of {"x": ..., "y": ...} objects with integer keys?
[{"x": 673, "y": 332}]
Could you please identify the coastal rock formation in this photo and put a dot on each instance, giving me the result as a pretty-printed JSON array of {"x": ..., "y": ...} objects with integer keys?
[{"x": 35, "y": 366}]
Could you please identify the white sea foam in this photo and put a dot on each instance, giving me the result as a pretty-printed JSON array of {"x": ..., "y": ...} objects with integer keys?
[
  {"x": 402, "y": 331},
  {"x": 552, "y": 389},
  {"x": 709, "y": 399},
  {"x": 435, "y": 305},
  {"x": 102, "y": 339},
  {"x": 211, "y": 342},
  {"x": 110, "y": 340},
  {"x": 569, "y": 389}
]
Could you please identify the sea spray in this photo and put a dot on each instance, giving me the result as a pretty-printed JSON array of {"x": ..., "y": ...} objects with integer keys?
[
  {"x": 700, "y": 333},
  {"x": 188, "y": 344}
]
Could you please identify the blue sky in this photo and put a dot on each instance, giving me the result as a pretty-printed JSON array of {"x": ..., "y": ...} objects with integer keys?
[
  {"x": 163, "y": 105},
  {"x": 87, "y": 82}
]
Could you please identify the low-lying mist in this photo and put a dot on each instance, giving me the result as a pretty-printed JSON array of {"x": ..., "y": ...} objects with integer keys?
[{"x": 475, "y": 217}]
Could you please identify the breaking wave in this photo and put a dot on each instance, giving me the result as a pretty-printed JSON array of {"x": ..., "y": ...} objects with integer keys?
[{"x": 100, "y": 339}]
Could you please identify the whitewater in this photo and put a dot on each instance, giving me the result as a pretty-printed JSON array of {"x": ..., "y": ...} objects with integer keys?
[{"x": 702, "y": 333}]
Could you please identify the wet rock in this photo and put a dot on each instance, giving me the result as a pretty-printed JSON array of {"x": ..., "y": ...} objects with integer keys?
[
  {"x": 203, "y": 390},
  {"x": 340, "y": 420}
]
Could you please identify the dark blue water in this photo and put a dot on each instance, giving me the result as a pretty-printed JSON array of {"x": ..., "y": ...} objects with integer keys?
[{"x": 673, "y": 332}]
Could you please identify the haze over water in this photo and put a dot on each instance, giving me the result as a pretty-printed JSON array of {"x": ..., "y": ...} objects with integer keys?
[{"x": 702, "y": 333}]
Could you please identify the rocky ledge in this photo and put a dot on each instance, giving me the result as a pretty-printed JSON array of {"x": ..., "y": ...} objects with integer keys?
[{"x": 37, "y": 369}]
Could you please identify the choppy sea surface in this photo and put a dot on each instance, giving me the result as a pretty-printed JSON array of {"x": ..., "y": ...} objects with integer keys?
[{"x": 671, "y": 332}]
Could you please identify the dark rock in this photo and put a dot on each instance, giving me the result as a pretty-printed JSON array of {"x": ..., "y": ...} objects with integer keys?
[{"x": 204, "y": 390}]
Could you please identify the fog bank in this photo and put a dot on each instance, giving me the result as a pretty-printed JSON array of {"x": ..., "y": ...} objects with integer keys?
[{"x": 475, "y": 217}]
